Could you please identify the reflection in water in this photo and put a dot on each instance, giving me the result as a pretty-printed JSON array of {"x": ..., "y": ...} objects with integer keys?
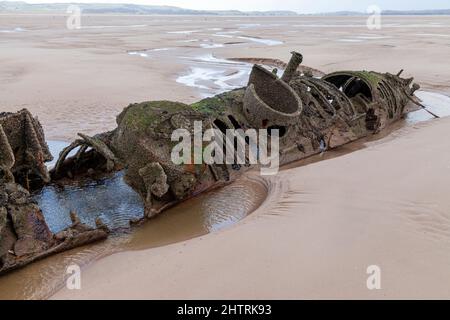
[
  {"x": 438, "y": 104},
  {"x": 268, "y": 42},
  {"x": 209, "y": 212},
  {"x": 109, "y": 199},
  {"x": 113, "y": 201},
  {"x": 211, "y": 75}
]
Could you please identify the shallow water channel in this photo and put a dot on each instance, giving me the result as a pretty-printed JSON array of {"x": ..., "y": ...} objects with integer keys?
[{"x": 116, "y": 204}]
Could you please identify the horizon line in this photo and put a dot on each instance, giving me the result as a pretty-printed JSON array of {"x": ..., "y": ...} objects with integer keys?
[{"x": 356, "y": 12}]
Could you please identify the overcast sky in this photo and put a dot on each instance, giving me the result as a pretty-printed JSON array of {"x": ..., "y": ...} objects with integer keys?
[{"x": 300, "y": 6}]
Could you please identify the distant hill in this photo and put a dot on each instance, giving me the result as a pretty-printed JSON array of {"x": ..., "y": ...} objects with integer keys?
[
  {"x": 417, "y": 12},
  {"x": 437, "y": 12},
  {"x": 99, "y": 8}
]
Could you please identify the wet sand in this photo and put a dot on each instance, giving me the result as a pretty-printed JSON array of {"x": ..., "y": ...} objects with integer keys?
[
  {"x": 210, "y": 212},
  {"x": 320, "y": 226},
  {"x": 79, "y": 80},
  {"x": 315, "y": 235}
]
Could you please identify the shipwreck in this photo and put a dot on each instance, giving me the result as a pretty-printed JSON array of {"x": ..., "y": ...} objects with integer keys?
[{"x": 311, "y": 115}]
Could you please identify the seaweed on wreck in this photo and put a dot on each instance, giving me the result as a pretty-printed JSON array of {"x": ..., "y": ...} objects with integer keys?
[{"x": 311, "y": 113}]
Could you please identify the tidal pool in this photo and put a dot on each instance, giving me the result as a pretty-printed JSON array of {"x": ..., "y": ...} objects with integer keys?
[{"x": 116, "y": 203}]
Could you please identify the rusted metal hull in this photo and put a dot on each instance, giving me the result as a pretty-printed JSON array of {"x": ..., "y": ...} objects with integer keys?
[{"x": 310, "y": 114}]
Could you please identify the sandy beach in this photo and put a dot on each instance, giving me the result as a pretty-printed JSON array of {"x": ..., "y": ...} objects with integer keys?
[
  {"x": 321, "y": 225},
  {"x": 79, "y": 80},
  {"x": 315, "y": 235}
]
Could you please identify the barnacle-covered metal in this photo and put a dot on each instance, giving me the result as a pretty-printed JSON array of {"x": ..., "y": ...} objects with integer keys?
[
  {"x": 24, "y": 234},
  {"x": 311, "y": 115},
  {"x": 23, "y": 150}
]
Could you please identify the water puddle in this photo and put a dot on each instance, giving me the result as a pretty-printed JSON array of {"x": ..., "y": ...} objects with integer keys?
[
  {"x": 234, "y": 34},
  {"x": 145, "y": 53},
  {"x": 363, "y": 37},
  {"x": 138, "y": 53},
  {"x": 431, "y": 35},
  {"x": 113, "y": 201},
  {"x": 248, "y": 25},
  {"x": 115, "y": 27},
  {"x": 211, "y": 45},
  {"x": 188, "y": 41},
  {"x": 184, "y": 32},
  {"x": 211, "y": 75},
  {"x": 55, "y": 148},
  {"x": 15, "y": 30},
  {"x": 205, "y": 72},
  {"x": 267, "y": 42},
  {"x": 206, "y": 213},
  {"x": 226, "y": 34},
  {"x": 437, "y": 103},
  {"x": 350, "y": 40}
]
